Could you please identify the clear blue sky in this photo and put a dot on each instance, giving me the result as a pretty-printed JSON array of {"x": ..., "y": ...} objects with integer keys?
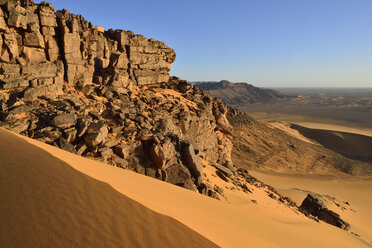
[{"x": 264, "y": 42}]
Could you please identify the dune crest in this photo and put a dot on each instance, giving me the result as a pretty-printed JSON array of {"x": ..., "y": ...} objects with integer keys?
[{"x": 47, "y": 203}]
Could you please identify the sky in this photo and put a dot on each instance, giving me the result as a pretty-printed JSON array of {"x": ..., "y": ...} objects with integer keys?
[{"x": 268, "y": 43}]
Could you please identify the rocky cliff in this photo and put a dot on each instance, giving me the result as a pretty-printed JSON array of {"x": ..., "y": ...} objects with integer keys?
[
  {"x": 106, "y": 95},
  {"x": 41, "y": 48},
  {"x": 239, "y": 93}
]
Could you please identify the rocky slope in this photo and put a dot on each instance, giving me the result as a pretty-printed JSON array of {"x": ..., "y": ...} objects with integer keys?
[
  {"x": 239, "y": 93},
  {"x": 106, "y": 95},
  {"x": 258, "y": 146}
]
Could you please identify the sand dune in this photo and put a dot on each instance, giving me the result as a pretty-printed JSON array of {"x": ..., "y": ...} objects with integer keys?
[
  {"x": 286, "y": 127},
  {"x": 239, "y": 224},
  {"x": 351, "y": 145},
  {"x": 47, "y": 203},
  {"x": 355, "y": 191},
  {"x": 356, "y": 126}
]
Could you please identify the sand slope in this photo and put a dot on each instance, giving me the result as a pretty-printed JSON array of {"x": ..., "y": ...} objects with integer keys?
[
  {"x": 351, "y": 145},
  {"x": 47, "y": 203},
  {"x": 239, "y": 224},
  {"x": 357, "y": 192}
]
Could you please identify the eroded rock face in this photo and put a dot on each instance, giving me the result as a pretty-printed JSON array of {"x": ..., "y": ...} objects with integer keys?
[
  {"x": 40, "y": 47},
  {"x": 315, "y": 207},
  {"x": 106, "y": 95}
]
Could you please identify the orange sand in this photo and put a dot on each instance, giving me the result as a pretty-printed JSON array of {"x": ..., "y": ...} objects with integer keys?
[{"x": 238, "y": 224}]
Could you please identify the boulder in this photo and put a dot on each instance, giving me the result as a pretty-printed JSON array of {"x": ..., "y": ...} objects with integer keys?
[
  {"x": 19, "y": 127},
  {"x": 226, "y": 171},
  {"x": 106, "y": 152},
  {"x": 316, "y": 207},
  {"x": 65, "y": 145},
  {"x": 179, "y": 175},
  {"x": 64, "y": 120},
  {"x": 121, "y": 151},
  {"x": 163, "y": 154},
  {"x": 96, "y": 134}
]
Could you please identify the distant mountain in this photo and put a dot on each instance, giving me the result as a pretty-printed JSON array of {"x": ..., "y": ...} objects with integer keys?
[{"x": 239, "y": 93}]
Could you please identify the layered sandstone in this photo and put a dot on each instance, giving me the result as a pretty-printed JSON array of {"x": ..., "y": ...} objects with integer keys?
[{"x": 40, "y": 48}]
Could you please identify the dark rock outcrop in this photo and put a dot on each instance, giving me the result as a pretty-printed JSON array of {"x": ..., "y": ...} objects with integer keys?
[{"x": 315, "y": 207}]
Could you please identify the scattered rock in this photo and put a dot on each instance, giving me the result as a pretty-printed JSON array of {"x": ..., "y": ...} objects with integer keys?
[
  {"x": 96, "y": 134},
  {"x": 226, "y": 171},
  {"x": 64, "y": 120},
  {"x": 106, "y": 151},
  {"x": 121, "y": 151},
  {"x": 65, "y": 145},
  {"x": 316, "y": 207},
  {"x": 222, "y": 176}
]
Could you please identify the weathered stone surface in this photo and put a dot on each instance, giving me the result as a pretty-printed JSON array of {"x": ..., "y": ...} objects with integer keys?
[
  {"x": 122, "y": 151},
  {"x": 4, "y": 96},
  {"x": 34, "y": 55},
  {"x": 12, "y": 83},
  {"x": 32, "y": 93},
  {"x": 316, "y": 207},
  {"x": 163, "y": 154},
  {"x": 47, "y": 16},
  {"x": 19, "y": 127},
  {"x": 180, "y": 175},
  {"x": 34, "y": 39},
  {"x": 12, "y": 70},
  {"x": 64, "y": 120},
  {"x": 106, "y": 152},
  {"x": 223, "y": 169},
  {"x": 29, "y": 41},
  {"x": 65, "y": 145},
  {"x": 3, "y": 25},
  {"x": 191, "y": 160},
  {"x": 70, "y": 135},
  {"x": 96, "y": 134},
  {"x": 44, "y": 69}
]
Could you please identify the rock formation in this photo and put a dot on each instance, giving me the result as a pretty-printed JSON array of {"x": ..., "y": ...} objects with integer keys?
[
  {"x": 40, "y": 48},
  {"x": 106, "y": 95},
  {"x": 315, "y": 207}
]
